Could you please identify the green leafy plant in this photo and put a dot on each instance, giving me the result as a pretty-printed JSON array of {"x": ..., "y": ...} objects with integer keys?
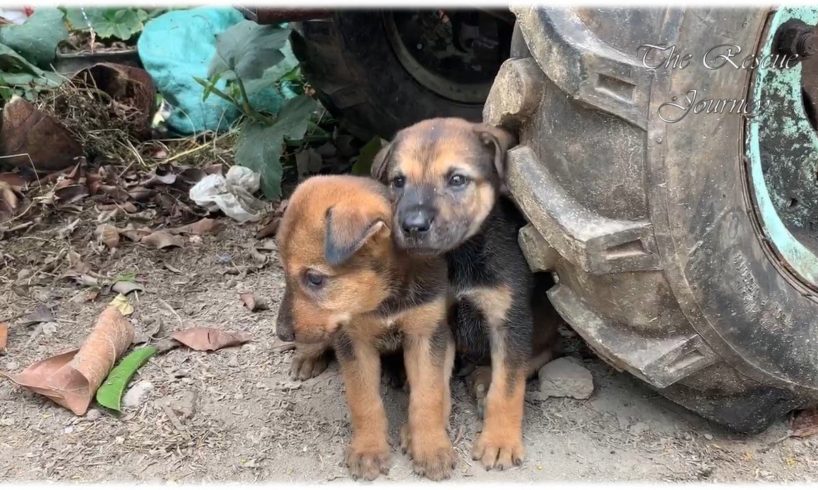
[
  {"x": 19, "y": 77},
  {"x": 249, "y": 58},
  {"x": 26, "y": 52},
  {"x": 108, "y": 23}
]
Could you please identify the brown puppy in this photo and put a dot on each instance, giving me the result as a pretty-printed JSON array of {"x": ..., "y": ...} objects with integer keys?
[
  {"x": 347, "y": 285},
  {"x": 446, "y": 179}
]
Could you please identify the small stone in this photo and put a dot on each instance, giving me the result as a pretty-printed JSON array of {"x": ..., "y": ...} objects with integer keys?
[
  {"x": 6, "y": 422},
  {"x": 68, "y": 430},
  {"x": 119, "y": 440},
  {"x": 49, "y": 328},
  {"x": 137, "y": 394},
  {"x": 565, "y": 377},
  {"x": 638, "y": 428},
  {"x": 182, "y": 405},
  {"x": 12, "y": 365},
  {"x": 238, "y": 396},
  {"x": 23, "y": 274},
  {"x": 709, "y": 437},
  {"x": 93, "y": 414}
]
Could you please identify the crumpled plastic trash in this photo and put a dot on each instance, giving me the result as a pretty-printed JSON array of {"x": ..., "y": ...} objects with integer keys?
[{"x": 233, "y": 194}]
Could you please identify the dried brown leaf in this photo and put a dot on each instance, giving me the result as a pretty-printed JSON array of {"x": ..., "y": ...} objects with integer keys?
[
  {"x": 162, "y": 239},
  {"x": 252, "y": 304},
  {"x": 202, "y": 227},
  {"x": 4, "y": 335},
  {"x": 41, "y": 314},
  {"x": 204, "y": 338},
  {"x": 269, "y": 229},
  {"x": 134, "y": 234},
  {"x": 72, "y": 378},
  {"x": 125, "y": 287},
  {"x": 107, "y": 234}
]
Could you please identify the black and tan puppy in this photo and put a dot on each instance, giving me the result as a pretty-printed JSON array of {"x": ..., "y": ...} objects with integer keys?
[
  {"x": 347, "y": 285},
  {"x": 446, "y": 179}
]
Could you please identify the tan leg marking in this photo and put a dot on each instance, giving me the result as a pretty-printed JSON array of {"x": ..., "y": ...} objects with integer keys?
[
  {"x": 368, "y": 453},
  {"x": 428, "y": 370}
]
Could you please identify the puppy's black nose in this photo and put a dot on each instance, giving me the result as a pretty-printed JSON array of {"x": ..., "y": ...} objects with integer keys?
[
  {"x": 417, "y": 221},
  {"x": 285, "y": 336}
]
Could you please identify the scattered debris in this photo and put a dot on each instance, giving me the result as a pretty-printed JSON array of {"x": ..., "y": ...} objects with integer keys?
[
  {"x": 204, "y": 226},
  {"x": 565, "y": 377},
  {"x": 120, "y": 302},
  {"x": 233, "y": 194},
  {"x": 33, "y": 139},
  {"x": 41, "y": 314},
  {"x": 108, "y": 235},
  {"x": 162, "y": 239},
  {"x": 93, "y": 414},
  {"x": 210, "y": 339},
  {"x": 71, "y": 379},
  {"x": 126, "y": 287},
  {"x": 252, "y": 304},
  {"x": 137, "y": 394},
  {"x": 110, "y": 393}
]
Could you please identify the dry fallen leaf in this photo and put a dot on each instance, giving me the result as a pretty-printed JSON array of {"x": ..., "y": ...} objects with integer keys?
[
  {"x": 134, "y": 234},
  {"x": 4, "y": 335},
  {"x": 202, "y": 227},
  {"x": 162, "y": 239},
  {"x": 805, "y": 423},
  {"x": 125, "y": 287},
  {"x": 269, "y": 229},
  {"x": 8, "y": 200},
  {"x": 203, "y": 338},
  {"x": 121, "y": 303},
  {"x": 72, "y": 378},
  {"x": 107, "y": 234},
  {"x": 41, "y": 314},
  {"x": 252, "y": 304}
]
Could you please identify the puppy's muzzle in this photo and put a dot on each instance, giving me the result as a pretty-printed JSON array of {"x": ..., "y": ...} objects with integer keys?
[{"x": 417, "y": 221}]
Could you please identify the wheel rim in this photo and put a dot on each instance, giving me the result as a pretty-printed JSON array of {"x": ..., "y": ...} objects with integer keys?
[
  {"x": 782, "y": 149},
  {"x": 455, "y": 55}
]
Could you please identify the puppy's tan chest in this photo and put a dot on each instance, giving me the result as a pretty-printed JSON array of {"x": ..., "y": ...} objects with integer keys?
[
  {"x": 493, "y": 302},
  {"x": 390, "y": 341}
]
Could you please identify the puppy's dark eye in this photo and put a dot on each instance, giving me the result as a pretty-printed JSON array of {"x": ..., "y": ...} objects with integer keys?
[
  {"x": 457, "y": 180},
  {"x": 398, "y": 182},
  {"x": 314, "y": 279}
]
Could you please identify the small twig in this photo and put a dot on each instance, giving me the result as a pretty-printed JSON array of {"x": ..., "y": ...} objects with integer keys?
[
  {"x": 288, "y": 346},
  {"x": 172, "y": 311}
]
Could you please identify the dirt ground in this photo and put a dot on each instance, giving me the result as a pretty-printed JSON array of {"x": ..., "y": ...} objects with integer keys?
[{"x": 247, "y": 421}]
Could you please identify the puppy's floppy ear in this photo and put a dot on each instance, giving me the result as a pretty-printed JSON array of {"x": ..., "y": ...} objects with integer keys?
[
  {"x": 380, "y": 163},
  {"x": 501, "y": 140},
  {"x": 348, "y": 230}
]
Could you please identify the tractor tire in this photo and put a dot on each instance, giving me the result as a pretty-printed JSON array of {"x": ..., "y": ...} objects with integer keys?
[
  {"x": 350, "y": 62},
  {"x": 648, "y": 226}
]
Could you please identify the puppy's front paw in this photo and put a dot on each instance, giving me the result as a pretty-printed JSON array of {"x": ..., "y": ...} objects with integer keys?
[
  {"x": 367, "y": 460},
  {"x": 308, "y": 365},
  {"x": 432, "y": 455},
  {"x": 498, "y": 451}
]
